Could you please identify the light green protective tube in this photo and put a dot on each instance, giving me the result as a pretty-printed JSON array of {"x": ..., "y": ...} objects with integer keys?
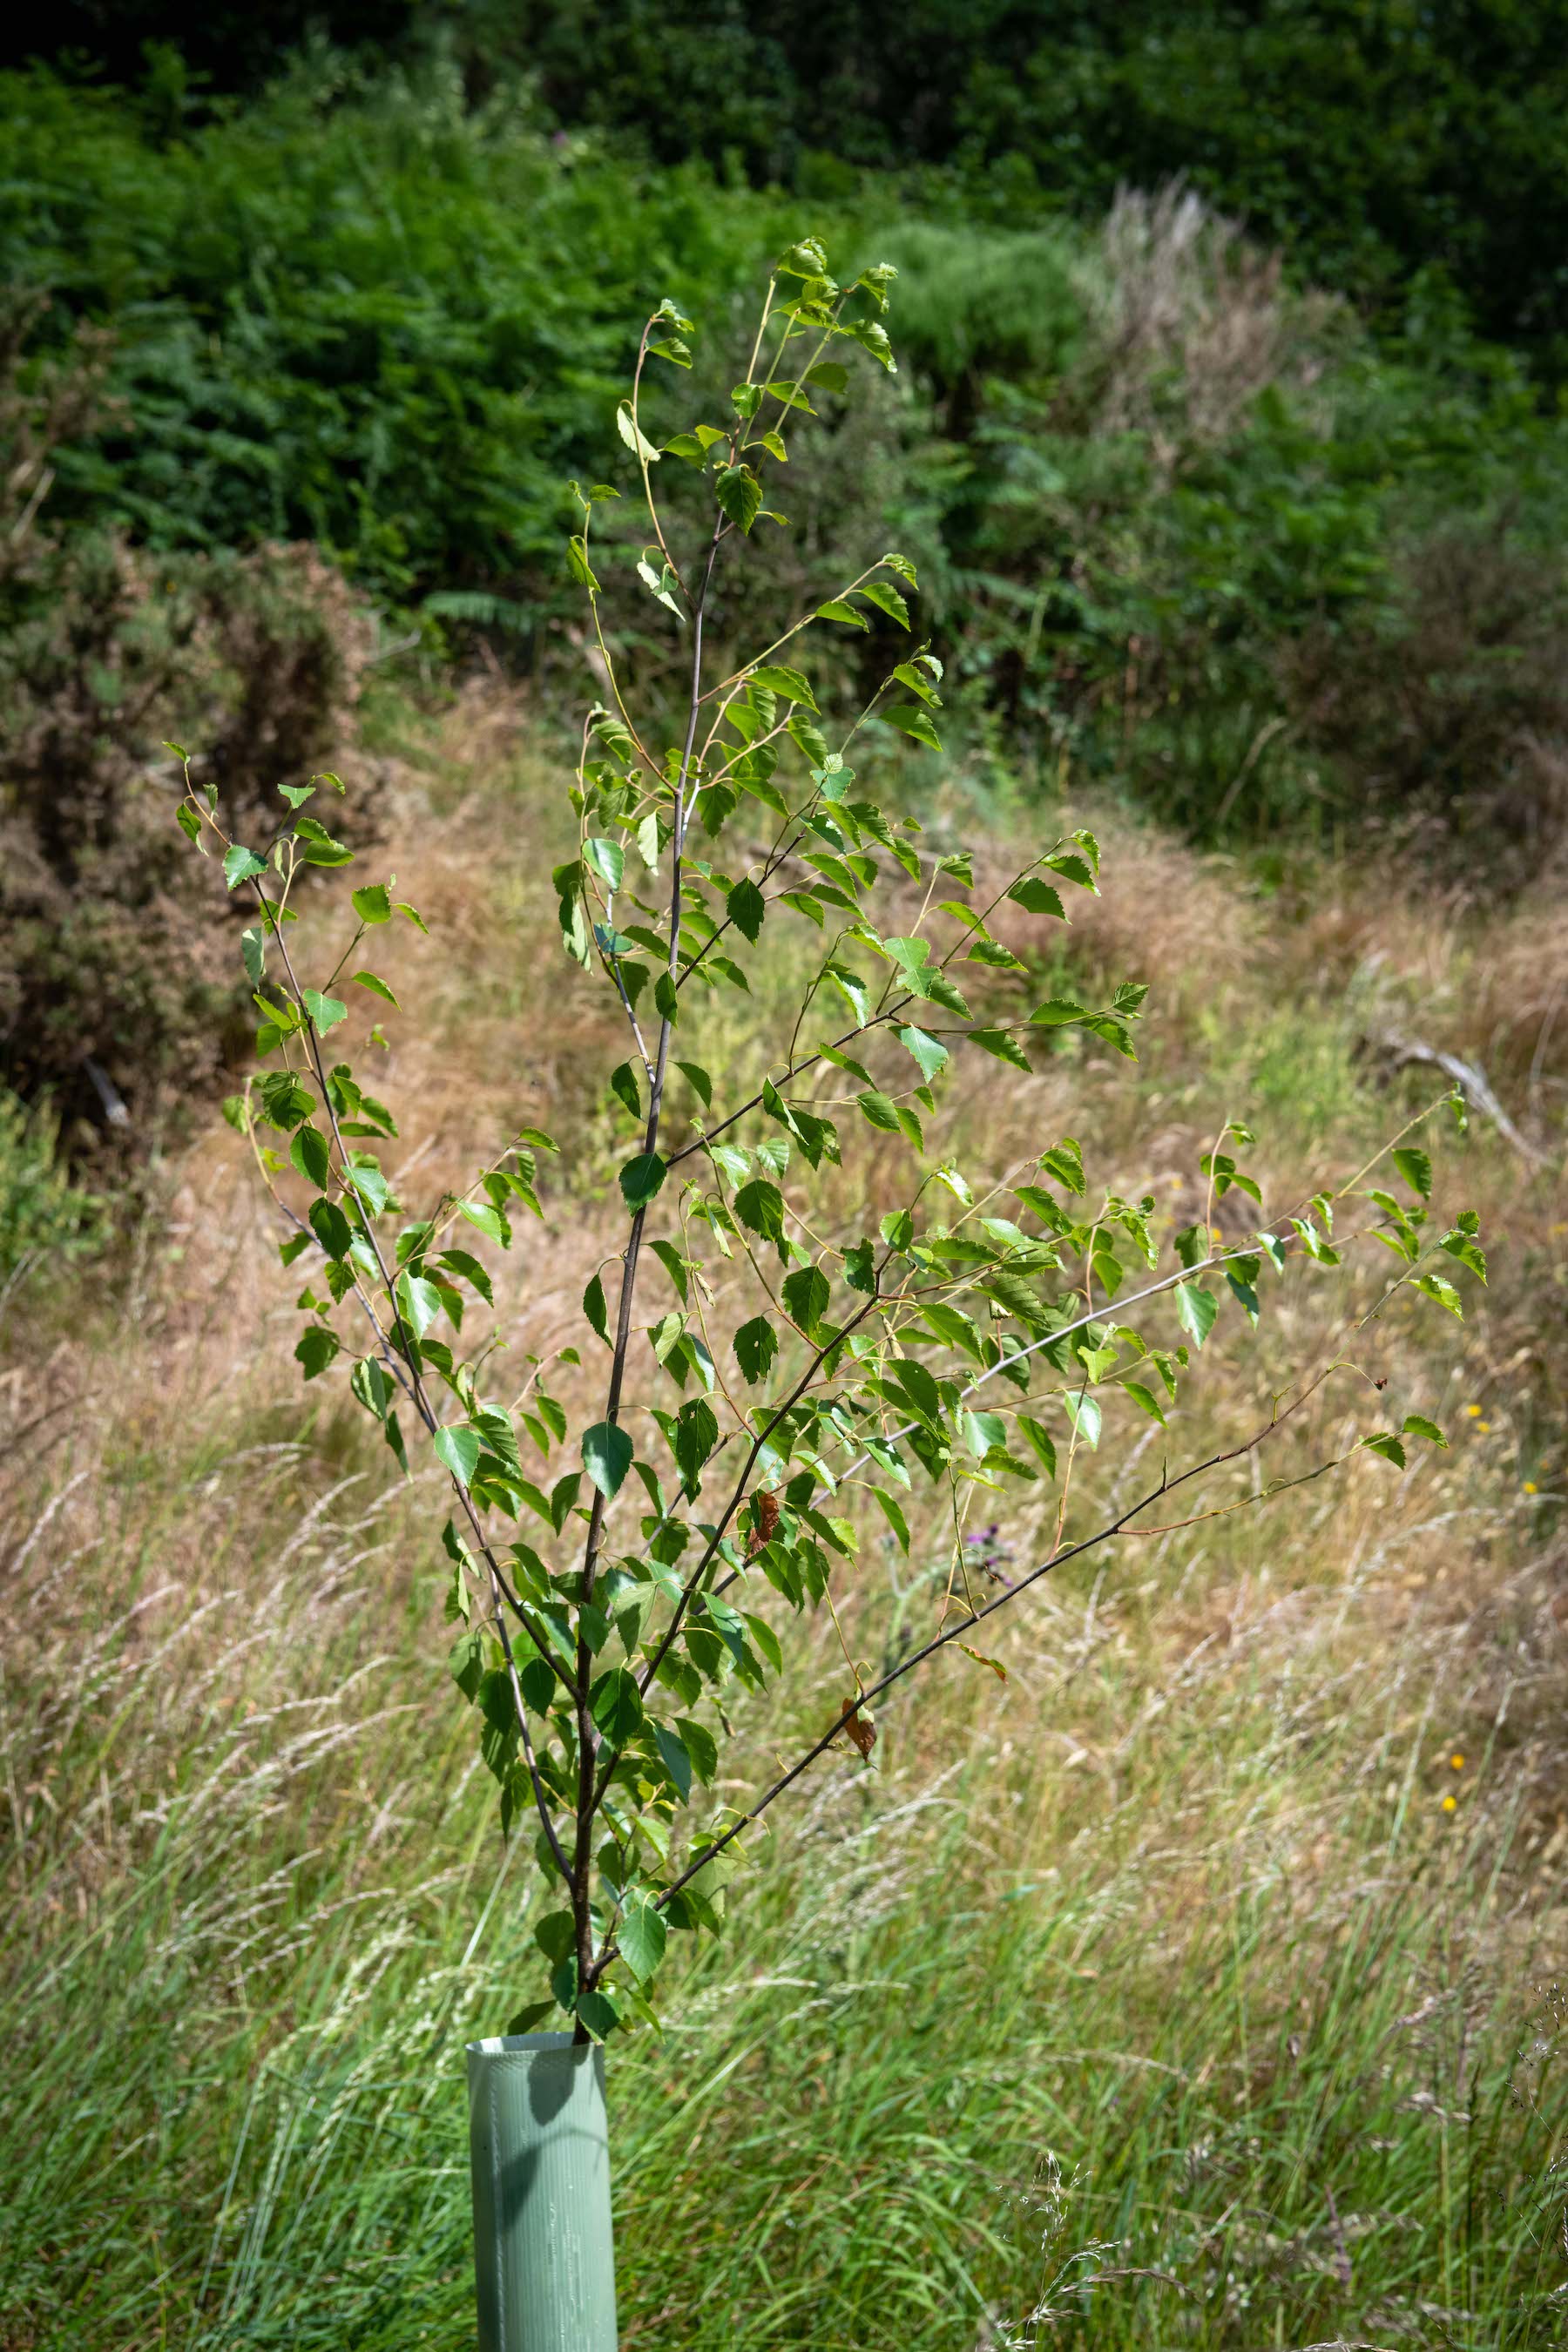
[{"x": 543, "y": 2255}]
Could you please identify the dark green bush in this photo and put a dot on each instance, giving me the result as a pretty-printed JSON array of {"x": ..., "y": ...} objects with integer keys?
[
  {"x": 1167, "y": 509},
  {"x": 113, "y": 957}
]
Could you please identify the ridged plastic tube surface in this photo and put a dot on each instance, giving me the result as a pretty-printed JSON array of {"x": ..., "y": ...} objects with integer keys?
[{"x": 544, "y": 2255}]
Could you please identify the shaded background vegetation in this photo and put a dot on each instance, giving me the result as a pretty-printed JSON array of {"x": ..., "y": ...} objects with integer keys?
[{"x": 1229, "y": 439}]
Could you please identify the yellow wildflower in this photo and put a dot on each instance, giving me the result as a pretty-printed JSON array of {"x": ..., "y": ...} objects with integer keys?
[{"x": 1449, "y": 1803}]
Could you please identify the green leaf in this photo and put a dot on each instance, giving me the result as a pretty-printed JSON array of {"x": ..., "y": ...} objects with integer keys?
[
  {"x": 894, "y": 1515},
  {"x": 607, "y": 858},
  {"x": 606, "y": 1457},
  {"x": 1144, "y": 1399},
  {"x": 1041, "y": 1442},
  {"x": 1037, "y": 897},
  {"x": 998, "y": 1043},
  {"x": 419, "y": 1301},
  {"x": 1198, "y": 1308},
  {"x": 316, "y": 1349},
  {"x": 364, "y": 1178},
  {"x": 593, "y": 1308},
  {"x": 673, "y": 1265},
  {"x": 1416, "y": 1166},
  {"x": 1084, "y": 1414},
  {"x": 253, "y": 947},
  {"x": 457, "y": 1447},
  {"x": 309, "y": 1151},
  {"x": 739, "y": 496},
  {"x": 698, "y": 1079},
  {"x": 488, "y": 1219},
  {"x": 836, "y": 609},
  {"x": 788, "y": 683},
  {"x": 1057, "y": 1011},
  {"x": 1417, "y": 1425},
  {"x": 325, "y": 1011},
  {"x": 1386, "y": 1447},
  {"x": 458, "y": 1261},
  {"x": 696, "y": 1436},
  {"x": 755, "y": 1344},
  {"x": 319, "y": 846},
  {"x": 887, "y": 600},
  {"x": 624, "y": 1086},
  {"x": 634, "y": 437},
  {"x": 759, "y": 1207},
  {"x": 914, "y": 720},
  {"x": 374, "y": 903},
  {"x": 883, "y": 1113},
  {"x": 932, "y": 1056},
  {"x": 642, "y": 1935},
  {"x": 805, "y": 1296},
  {"x": 241, "y": 865},
  {"x": 331, "y": 1227},
  {"x": 674, "y": 1758},
  {"x": 641, "y": 1179},
  {"x": 376, "y": 987},
  {"x": 1064, "y": 1162},
  {"x": 615, "y": 1705},
  {"x": 747, "y": 907}
]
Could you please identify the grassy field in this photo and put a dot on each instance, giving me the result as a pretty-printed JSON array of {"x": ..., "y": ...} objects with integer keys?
[{"x": 1198, "y": 1983}]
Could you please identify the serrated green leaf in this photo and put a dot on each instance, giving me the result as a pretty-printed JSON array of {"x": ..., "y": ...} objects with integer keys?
[
  {"x": 325, "y": 1011},
  {"x": 1037, "y": 897},
  {"x": 634, "y": 437},
  {"x": 642, "y": 1935},
  {"x": 311, "y": 1155},
  {"x": 1416, "y": 1166},
  {"x": 887, "y": 600},
  {"x": 756, "y": 1345},
  {"x": 457, "y": 1447},
  {"x": 615, "y": 1705},
  {"x": 1198, "y": 1308},
  {"x": 641, "y": 1179},
  {"x": 747, "y": 907},
  {"x": 788, "y": 684},
  {"x": 606, "y": 1457},
  {"x": 740, "y": 495},
  {"x": 1417, "y": 1425},
  {"x": 930, "y": 1056}
]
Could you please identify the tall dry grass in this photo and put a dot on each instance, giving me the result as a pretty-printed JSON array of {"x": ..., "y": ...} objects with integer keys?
[{"x": 1155, "y": 1993}]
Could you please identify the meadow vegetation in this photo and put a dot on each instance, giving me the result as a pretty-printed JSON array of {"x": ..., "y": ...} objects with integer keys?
[
  {"x": 1245, "y": 2023},
  {"x": 1236, "y": 2027}
]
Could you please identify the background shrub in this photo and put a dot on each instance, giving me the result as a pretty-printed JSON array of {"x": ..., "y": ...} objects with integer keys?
[{"x": 112, "y": 956}]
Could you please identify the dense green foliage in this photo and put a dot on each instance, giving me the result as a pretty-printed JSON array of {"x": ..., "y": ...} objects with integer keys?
[
  {"x": 1173, "y": 521},
  {"x": 1375, "y": 138}
]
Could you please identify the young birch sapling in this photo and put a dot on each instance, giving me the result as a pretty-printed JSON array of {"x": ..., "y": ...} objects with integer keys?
[{"x": 614, "y": 1581}]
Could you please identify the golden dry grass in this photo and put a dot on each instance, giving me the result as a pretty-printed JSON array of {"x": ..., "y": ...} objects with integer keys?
[{"x": 242, "y": 1708}]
